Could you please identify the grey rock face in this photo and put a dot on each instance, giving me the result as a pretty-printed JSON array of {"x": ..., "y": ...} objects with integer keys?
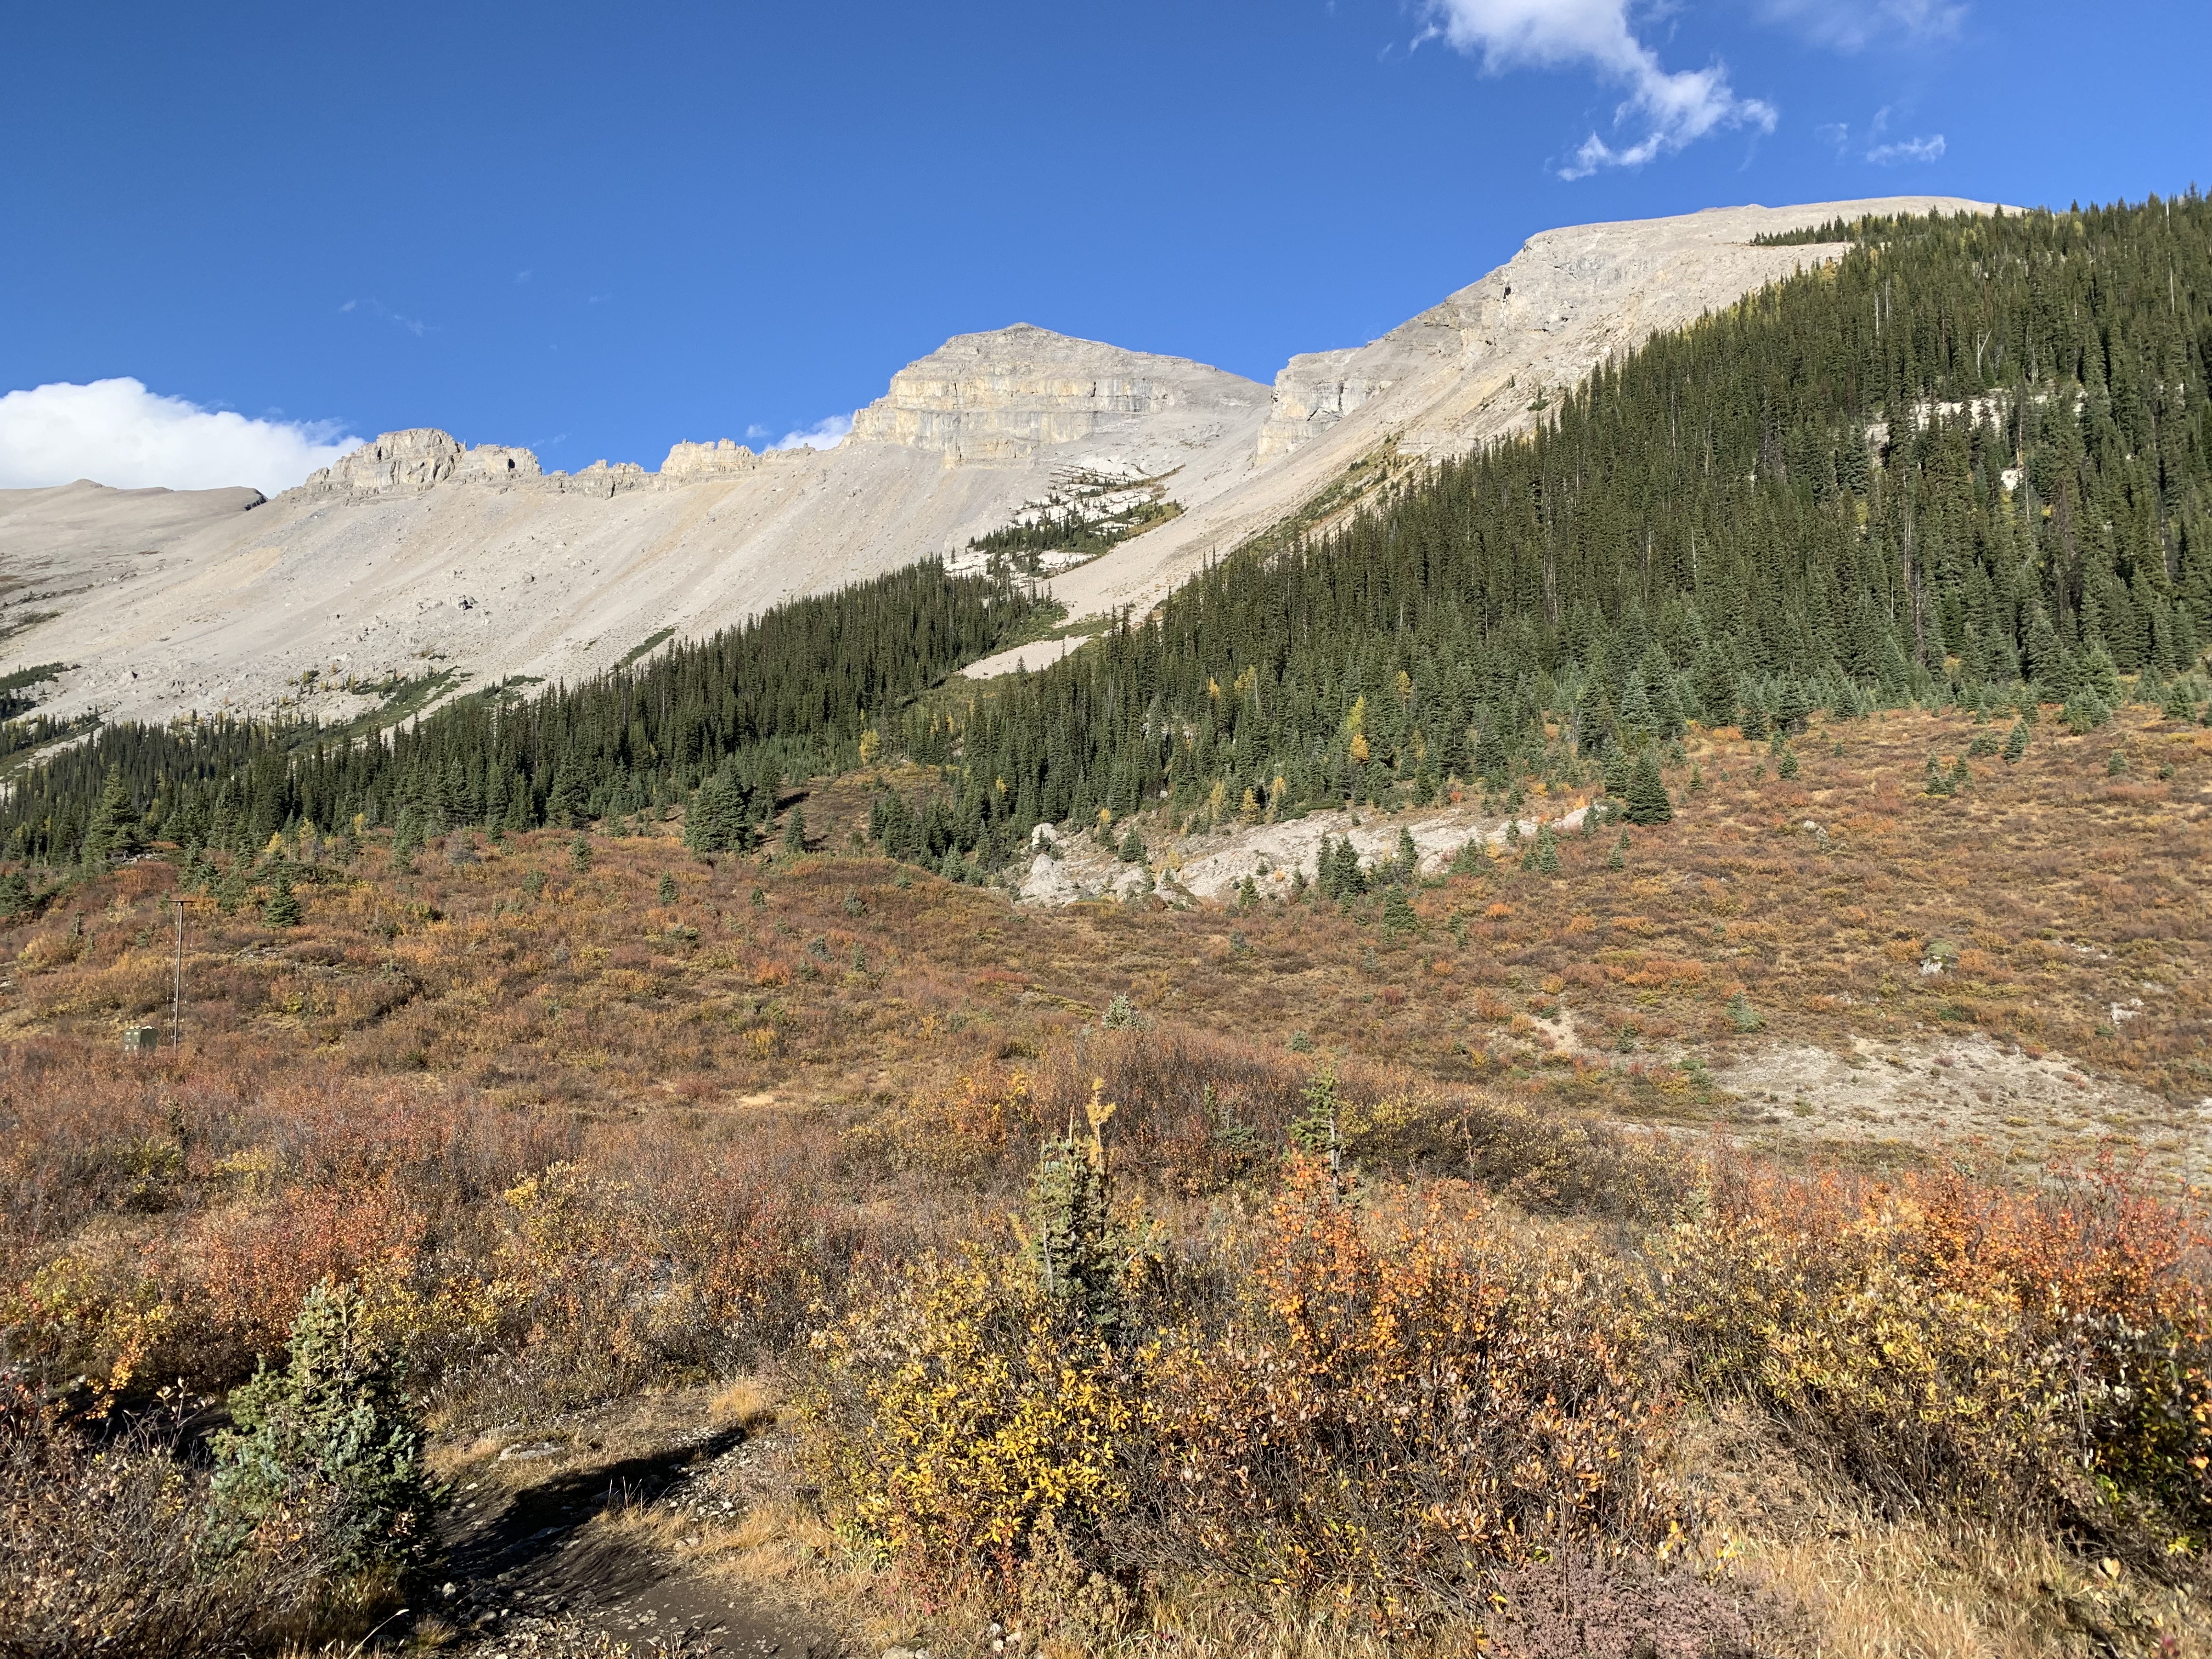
[{"x": 1007, "y": 394}]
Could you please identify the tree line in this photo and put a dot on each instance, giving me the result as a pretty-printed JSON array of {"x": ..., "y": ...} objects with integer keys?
[
  {"x": 787, "y": 695},
  {"x": 1970, "y": 459}
]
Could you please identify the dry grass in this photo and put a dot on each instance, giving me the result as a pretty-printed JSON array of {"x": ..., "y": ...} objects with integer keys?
[{"x": 577, "y": 1145}]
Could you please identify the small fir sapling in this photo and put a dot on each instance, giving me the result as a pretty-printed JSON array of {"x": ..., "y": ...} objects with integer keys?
[
  {"x": 331, "y": 1442},
  {"x": 1398, "y": 916},
  {"x": 283, "y": 907}
]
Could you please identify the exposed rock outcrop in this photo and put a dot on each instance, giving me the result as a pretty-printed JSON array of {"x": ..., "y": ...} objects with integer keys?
[
  {"x": 1313, "y": 391},
  {"x": 1007, "y": 394},
  {"x": 687, "y": 461}
]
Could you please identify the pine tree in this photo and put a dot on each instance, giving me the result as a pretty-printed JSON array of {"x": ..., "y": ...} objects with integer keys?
[
  {"x": 664, "y": 893},
  {"x": 1398, "y": 915},
  {"x": 283, "y": 907},
  {"x": 794, "y": 832},
  {"x": 2015, "y": 743},
  {"x": 113, "y": 831},
  {"x": 331, "y": 1442},
  {"x": 579, "y": 854},
  {"x": 1081, "y": 1255},
  {"x": 1647, "y": 794}
]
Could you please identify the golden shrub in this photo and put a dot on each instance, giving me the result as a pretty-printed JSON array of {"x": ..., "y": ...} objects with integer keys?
[{"x": 957, "y": 1414}]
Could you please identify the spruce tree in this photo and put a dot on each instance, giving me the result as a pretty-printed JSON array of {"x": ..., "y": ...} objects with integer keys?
[
  {"x": 1409, "y": 856},
  {"x": 283, "y": 907},
  {"x": 1081, "y": 1252},
  {"x": 794, "y": 832},
  {"x": 664, "y": 893},
  {"x": 716, "y": 821},
  {"x": 1398, "y": 916},
  {"x": 331, "y": 1441},
  {"x": 113, "y": 831},
  {"x": 1647, "y": 794}
]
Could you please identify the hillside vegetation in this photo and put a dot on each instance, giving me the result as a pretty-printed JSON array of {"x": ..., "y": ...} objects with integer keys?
[{"x": 624, "y": 1125}]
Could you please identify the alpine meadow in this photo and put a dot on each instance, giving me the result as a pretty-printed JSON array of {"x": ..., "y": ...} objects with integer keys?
[{"x": 1596, "y": 1045}]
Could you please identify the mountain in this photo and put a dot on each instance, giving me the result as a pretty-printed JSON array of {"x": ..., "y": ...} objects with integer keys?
[{"x": 418, "y": 552}]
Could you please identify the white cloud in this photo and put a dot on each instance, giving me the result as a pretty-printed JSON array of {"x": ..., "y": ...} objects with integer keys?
[
  {"x": 824, "y": 434},
  {"x": 116, "y": 432},
  {"x": 755, "y": 431},
  {"x": 1852, "y": 25},
  {"x": 1907, "y": 149},
  {"x": 1674, "y": 108}
]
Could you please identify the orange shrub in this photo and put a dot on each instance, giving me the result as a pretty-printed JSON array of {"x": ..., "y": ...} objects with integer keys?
[
  {"x": 1401, "y": 1401},
  {"x": 2023, "y": 1353}
]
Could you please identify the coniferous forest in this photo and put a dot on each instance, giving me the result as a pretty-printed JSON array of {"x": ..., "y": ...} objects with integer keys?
[
  {"x": 788, "y": 694},
  {"x": 1970, "y": 461}
]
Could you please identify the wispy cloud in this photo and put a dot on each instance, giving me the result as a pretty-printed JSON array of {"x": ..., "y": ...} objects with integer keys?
[
  {"x": 1665, "y": 109},
  {"x": 1854, "y": 25},
  {"x": 116, "y": 432},
  {"x": 1907, "y": 149},
  {"x": 757, "y": 431},
  {"x": 521, "y": 277},
  {"x": 377, "y": 308},
  {"x": 824, "y": 434},
  {"x": 1882, "y": 153}
]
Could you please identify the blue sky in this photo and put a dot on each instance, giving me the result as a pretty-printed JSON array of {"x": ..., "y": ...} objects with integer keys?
[{"x": 597, "y": 230}]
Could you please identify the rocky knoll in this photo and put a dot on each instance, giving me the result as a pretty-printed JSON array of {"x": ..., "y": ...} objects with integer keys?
[{"x": 418, "y": 552}]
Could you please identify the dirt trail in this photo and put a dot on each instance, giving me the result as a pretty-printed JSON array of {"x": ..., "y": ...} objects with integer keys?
[{"x": 536, "y": 1569}]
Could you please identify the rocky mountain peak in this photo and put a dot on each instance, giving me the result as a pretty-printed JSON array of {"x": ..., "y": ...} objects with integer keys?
[{"x": 1003, "y": 394}]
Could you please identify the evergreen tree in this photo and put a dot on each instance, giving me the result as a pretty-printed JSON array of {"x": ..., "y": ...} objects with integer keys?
[
  {"x": 794, "y": 832},
  {"x": 1082, "y": 1255},
  {"x": 1398, "y": 915},
  {"x": 1647, "y": 793},
  {"x": 1542, "y": 857},
  {"x": 664, "y": 893},
  {"x": 331, "y": 1441},
  {"x": 716, "y": 822},
  {"x": 113, "y": 831},
  {"x": 283, "y": 907}
]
